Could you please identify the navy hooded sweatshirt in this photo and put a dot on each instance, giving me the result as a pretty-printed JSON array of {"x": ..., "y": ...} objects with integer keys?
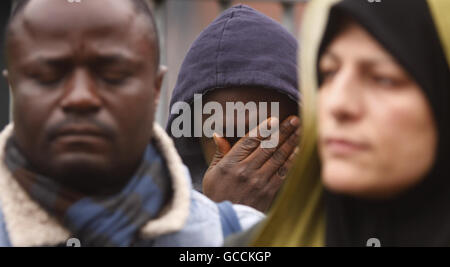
[{"x": 240, "y": 48}]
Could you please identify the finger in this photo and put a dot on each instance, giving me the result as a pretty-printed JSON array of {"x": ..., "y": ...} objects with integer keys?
[
  {"x": 222, "y": 144},
  {"x": 293, "y": 156},
  {"x": 251, "y": 141},
  {"x": 280, "y": 175},
  {"x": 275, "y": 183},
  {"x": 261, "y": 155},
  {"x": 222, "y": 148},
  {"x": 281, "y": 155}
]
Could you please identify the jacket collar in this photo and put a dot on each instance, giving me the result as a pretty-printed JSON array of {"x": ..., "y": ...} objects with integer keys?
[{"x": 28, "y": 224}]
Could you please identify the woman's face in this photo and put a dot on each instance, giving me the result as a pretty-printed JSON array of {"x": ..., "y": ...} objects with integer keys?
[{"x": 376, "y": 128}]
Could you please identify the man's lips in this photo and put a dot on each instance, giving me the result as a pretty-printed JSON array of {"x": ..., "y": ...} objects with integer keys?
[
  {"x": 342, "y": 146},
  {"x": 78, "y": 131}
]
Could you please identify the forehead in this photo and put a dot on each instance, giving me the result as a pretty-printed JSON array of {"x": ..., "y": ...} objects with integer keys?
[
  {"x": 355, "y": 42},
  {"x": 49, "y": 24},
  {"x": 247, "y": 94},
  {"x": 286, "y": 105}
]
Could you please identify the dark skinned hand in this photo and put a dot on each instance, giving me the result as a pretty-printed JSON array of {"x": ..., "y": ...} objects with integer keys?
[{"x": 249, "y": 174}]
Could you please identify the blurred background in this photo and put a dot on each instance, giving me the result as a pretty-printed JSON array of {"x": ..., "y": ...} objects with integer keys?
[
  {"x": 179, "y": 24},
  {"x": 5, "y": 7}
]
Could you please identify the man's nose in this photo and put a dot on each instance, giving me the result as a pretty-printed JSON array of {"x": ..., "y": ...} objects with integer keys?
[
  {"x": 345, "y": 97},
  {"x": 81, "y": 95}
]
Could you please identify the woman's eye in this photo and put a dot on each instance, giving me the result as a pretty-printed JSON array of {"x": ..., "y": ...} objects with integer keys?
[
  {"x": 384, "y": 81},
  {"x": 327, "y": 75}
]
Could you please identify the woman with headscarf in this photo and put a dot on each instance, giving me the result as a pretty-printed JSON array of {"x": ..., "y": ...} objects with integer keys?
[{"x": 374, "y": 161}]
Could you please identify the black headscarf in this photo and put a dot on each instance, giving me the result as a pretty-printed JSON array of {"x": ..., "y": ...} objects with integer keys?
[{"x": 421, "y": 215}]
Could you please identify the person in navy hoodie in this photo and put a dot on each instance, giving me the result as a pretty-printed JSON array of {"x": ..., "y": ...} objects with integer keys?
[{"x": 242, "y": 56}]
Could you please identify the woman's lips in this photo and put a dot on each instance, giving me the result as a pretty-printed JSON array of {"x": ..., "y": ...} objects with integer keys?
[{"x": 342, "y": 147}]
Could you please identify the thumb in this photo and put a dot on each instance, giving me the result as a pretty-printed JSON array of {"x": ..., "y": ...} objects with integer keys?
[{"x": 222, "y": 148}]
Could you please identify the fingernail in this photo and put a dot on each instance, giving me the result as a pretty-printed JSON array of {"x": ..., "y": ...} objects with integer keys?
[
  {"x": 273, "y": 121},
  {"x": 294, "y": 121},
  {"x": 215, "y": 136}
]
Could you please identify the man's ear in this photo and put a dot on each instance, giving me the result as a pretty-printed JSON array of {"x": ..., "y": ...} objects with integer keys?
[{"x": 158, "y": 82}]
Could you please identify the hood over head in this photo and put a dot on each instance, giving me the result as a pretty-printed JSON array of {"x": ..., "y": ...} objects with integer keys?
[{"x": 240, "y": 48}]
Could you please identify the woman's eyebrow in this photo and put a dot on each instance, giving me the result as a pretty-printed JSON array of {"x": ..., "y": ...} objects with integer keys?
[
  {"x": 374, "y": 62},
  {"x": 329, "y": 55}
]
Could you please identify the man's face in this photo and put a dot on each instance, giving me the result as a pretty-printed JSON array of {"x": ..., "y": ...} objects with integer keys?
[
  {"x": 245, "y": 95},
  {"x": 85, "y": 87}
]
